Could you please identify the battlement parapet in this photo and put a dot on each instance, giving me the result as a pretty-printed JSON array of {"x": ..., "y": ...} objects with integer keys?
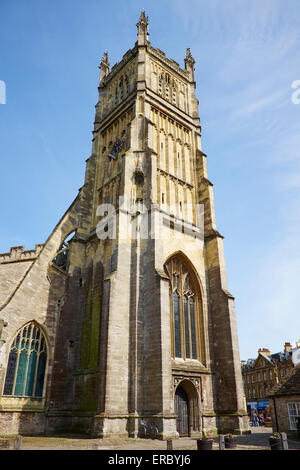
[
  {"x": 17, "y": 253},
  {"x": 169, "y": 62}
]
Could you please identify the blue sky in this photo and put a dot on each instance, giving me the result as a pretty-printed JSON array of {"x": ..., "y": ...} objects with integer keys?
[{"x": 247, "y": 57}]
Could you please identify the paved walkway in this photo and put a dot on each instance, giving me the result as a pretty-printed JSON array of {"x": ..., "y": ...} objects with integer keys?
[{"x": 257, "y": 440}]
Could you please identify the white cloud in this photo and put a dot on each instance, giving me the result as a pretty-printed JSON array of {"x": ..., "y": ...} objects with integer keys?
[
  {"x": 258, "y": 105},
  {"x": 271, "y": 301}
]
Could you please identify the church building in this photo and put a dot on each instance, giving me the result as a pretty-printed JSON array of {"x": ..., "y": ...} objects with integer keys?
[{"x": 121, "y": 322}]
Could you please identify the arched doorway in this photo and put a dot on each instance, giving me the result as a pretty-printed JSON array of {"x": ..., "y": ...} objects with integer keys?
[
  {"x": 186, "y": 404},
  {"x": 182, "y": 411}
]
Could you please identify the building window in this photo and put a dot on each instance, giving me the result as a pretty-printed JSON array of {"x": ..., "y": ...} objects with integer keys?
[
  {"x": 265, "y": 375},
  {"x": 160, "y": 83},
  {"x": 27, "y": 363},
  {"x": 174, "y": 93},
  {"x": 167, "y": 88},
  {"x": 294, "y": 412},
  {"x": 121, "y": 86},
  {"x": 258, "y": 376},
  {"x": 270, "y": 372},
  {"x": 186, "y": 311}
]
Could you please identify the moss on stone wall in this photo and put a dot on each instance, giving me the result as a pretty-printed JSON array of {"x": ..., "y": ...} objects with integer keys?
[
  {"x": 95, "y": 332},
  {"x": 88, "y": 393},
  {"x": 85, "y": 341}
]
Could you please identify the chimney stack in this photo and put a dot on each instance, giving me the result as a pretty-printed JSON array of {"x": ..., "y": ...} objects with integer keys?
[{"x": 264, "y": 351}]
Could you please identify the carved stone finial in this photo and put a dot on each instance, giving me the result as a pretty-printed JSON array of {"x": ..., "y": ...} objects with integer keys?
[
  {"x": 105, "y": 59},
  {"x": 142, "y": 26},
  {"x": 3, "y": 324},
  {"x": 104, "y": 66},
  {"x": 189, "y": 62},
  {"x": 189, "y": 57},
  {"x": 143, "y": 19}
]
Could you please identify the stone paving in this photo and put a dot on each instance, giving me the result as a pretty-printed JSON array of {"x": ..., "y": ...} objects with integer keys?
[{"x": 257, "y": 440}]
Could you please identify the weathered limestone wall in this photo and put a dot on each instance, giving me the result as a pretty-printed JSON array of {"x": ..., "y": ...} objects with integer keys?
[
  {"x": 279, "y": 414},
  {"x": 38, "y": 296},
  {"x": 13, "y": 267}
]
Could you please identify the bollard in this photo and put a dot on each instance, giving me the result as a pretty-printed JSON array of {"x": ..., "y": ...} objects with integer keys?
[
  {"x": 169, "y": 444},
  {"x": 17, "y": 443},
  {"x": 221, "y": 442},
  {"x": 284, "y": 441}
]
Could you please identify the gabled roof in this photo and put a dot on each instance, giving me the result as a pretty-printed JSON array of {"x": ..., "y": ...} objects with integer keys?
[
  {"x": 260, "y": 356},
  {"x": 290, "y": 385},
  {"x": 271, "y": 358},
  {"x": 267, "y": 357}
]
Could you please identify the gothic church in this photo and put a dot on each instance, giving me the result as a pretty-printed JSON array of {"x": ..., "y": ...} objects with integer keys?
[{"x": 121, "y": 323}]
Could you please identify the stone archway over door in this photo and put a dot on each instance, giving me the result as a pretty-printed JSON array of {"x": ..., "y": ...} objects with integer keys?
[{"x": 182, "y": 411}]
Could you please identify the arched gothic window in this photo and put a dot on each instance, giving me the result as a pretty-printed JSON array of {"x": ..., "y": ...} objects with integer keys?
[
  {"x": 186, "y": 311},
  {"x": 26, "y": 363},
  {"x": 167, "y": 88}
]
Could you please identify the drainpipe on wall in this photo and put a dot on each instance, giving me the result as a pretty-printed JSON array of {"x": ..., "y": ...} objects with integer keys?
[{"x": 276, "y": 419}]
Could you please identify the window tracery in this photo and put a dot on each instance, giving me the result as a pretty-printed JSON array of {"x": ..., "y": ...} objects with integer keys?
[
  {"x": 167, "y": 88},
  {"x": 26, "y": 363},
  {"x": 186, "y": 311}
]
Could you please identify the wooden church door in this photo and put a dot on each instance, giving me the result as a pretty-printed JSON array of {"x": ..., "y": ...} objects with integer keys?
[{"x": 182, "y": 411}]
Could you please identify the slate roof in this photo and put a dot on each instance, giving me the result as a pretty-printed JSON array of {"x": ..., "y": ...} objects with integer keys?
[
  {"x": 271, "y": 358},
  {"x": 290, "y": 385}
]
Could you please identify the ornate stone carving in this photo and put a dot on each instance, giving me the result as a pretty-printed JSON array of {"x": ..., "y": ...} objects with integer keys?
[{"x": 3, "y": 324}]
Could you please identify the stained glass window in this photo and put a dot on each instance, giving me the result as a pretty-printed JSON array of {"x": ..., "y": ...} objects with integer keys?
[
  {"x": 186, "y": 311},
  {"x": 193, "y": 328},
  {"x": 26, "y": 363},
  {"x": 177, "y": 324}
]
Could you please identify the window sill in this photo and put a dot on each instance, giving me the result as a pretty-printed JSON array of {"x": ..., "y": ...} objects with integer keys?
[
  {"x": 189, "y": 364},
  {"x": 8, "y": 403}
]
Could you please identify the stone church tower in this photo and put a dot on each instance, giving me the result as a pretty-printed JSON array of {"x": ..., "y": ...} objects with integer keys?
[{"x": 121, "y": 322}]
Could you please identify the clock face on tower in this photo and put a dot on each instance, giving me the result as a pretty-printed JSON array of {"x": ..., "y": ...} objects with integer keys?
[{"x": 115, "y": 149}]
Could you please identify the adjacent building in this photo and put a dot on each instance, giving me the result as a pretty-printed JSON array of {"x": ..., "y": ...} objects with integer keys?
[
  {"x": 260, "y": 375},
  {"x": 285, "y": 403}
]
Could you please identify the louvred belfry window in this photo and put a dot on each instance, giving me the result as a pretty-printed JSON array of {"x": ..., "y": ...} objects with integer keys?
[
  {"x": 26, "y": 363},
  {"x": 186, "y": 311}
]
